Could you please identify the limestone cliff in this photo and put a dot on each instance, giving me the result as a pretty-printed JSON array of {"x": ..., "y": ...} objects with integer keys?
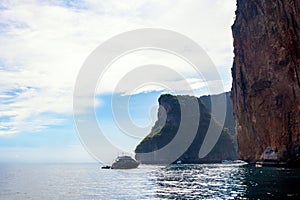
[
  {"x": 266, "y": 78},
  {"x": 166, "y": 128}
]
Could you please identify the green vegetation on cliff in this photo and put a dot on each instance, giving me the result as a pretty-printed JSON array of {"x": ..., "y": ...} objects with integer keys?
[{"x": 167, "y": 124}]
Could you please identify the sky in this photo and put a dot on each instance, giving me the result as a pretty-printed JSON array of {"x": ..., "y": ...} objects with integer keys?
[{"x": 45, "y": 43}]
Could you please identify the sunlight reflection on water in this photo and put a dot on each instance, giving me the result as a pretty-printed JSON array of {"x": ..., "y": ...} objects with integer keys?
[{"x": 88, "y": 181}]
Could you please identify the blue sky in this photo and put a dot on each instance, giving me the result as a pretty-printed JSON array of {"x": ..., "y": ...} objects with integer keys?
[{"x": 44, "y": 44}]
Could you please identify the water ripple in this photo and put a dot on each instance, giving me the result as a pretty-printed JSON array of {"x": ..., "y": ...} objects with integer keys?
[{"x": 88, "y": 181}]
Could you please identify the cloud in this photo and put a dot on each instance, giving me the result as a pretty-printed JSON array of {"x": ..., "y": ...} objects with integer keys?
[
  {"x": 44, "y": 43},
  {"x": 150, "y": 70}
]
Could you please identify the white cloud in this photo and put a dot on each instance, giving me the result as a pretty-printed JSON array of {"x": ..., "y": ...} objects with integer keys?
[
  {"x": 44, "y": 43},
  {"x": 150, "y": 70}
]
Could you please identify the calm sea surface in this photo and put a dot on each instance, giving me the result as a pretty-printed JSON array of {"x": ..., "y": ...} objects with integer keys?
[{"x": 89, "y": 181}]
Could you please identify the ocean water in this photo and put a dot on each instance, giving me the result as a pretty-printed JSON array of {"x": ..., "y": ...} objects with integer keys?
[{"x": 89, "y": 181}]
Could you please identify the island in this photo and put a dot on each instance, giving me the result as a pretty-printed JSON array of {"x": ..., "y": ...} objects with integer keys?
[{"x": 166, "y": 126}]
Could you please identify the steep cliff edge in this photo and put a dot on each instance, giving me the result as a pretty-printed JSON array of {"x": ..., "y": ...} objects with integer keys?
[
  {"x": 266, "y": 78},
  {"x": 167, "y": 124}
]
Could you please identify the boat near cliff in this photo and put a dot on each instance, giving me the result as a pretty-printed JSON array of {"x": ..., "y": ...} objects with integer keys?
[
  {"x": 125, "y": 162},
  {"x": 234, "y": 162},
  {"x": 268, "y": 163},
  {"x": 269, "y": 158}
]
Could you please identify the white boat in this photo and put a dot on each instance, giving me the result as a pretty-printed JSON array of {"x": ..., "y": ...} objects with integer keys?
[
  {"x": 179, "y": 162},
  {"x": 269, "y": 158},
  {"x": 125, "y": 162},
  {"x": 234, "y": 162}
]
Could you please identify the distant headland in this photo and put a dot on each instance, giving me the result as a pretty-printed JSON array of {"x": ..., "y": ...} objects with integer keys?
[{"x": 166, "y": 128}]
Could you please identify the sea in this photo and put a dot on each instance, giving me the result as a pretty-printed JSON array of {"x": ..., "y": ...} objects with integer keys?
[{"x": 202, "y": 181}]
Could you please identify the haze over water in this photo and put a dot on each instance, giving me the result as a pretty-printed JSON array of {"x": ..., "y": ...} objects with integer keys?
[{"x": 88, "y": 181}]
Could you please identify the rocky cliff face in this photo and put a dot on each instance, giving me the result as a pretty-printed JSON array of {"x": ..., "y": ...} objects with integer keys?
[
  {"x": 266, "y": 78},
  {"x": 165, "y": 129}
]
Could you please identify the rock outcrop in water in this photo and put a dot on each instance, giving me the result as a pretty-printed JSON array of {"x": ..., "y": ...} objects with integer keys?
[
  {"x": 166, "y": 128},
  {"x": 266, "y": 78}
]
